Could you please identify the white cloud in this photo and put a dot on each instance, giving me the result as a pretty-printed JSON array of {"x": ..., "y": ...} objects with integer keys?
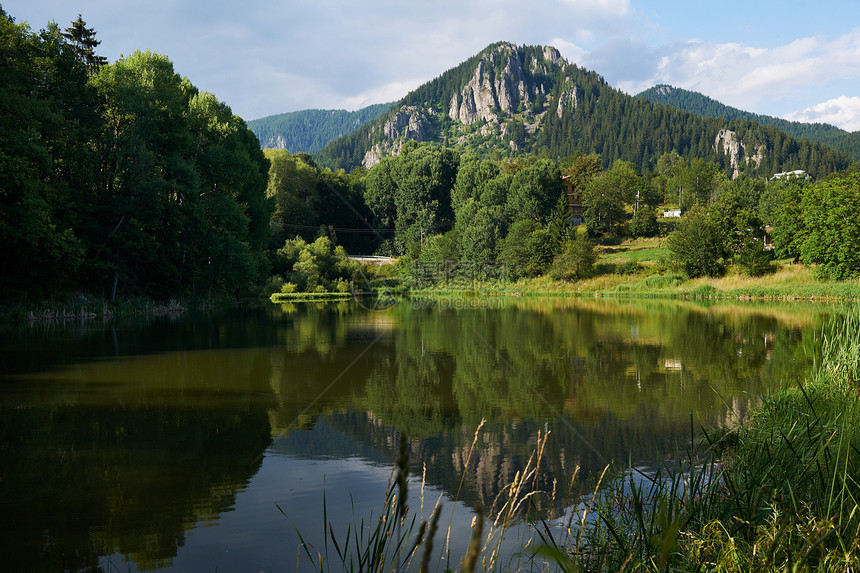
[
  {"x": 569, "y": 51},
  {"x": 269, "y": 57},
  {"x": 389, "y": 92},
  {"x": 735, "y": 74},
  {"x": 600, "y": 7},
  {"x": 842, "y": 112}
]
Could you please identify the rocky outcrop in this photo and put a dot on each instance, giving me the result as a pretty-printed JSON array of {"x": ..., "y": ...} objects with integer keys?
[
  {"x": 477, "y": 100},
  {"x": 500, "y": 85},
  {"x": 567, "y": 99},
  {"x": 506, "y": 86},
  {"x": 409, "y": 123},
  {"x": 276, "y": 142},
  {"x": 728, "y": 143},
  {"x": 373, "y": 156}
]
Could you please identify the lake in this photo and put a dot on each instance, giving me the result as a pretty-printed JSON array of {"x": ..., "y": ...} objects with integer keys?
[{"x": 210, "y": 441}]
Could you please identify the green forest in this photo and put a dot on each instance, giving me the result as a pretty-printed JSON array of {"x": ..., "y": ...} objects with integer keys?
[
  {"x": 603, "y": 120},
  {"x": 699, "y": 104},
  {"x": 121, "y": 179},
  {"x": 310, "y": 130}
]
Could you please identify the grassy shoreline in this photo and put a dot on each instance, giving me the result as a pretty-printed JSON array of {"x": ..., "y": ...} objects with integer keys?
[
  {"x": 280, "y": 297},
  {"x": 793, "y": 284},
  {"x": 639, "y": 268}
]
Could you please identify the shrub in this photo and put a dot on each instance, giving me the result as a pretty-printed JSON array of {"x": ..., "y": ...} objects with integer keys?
[
  {"x": 629, "y": 268},
  {"x": 644, "y": 223},
  {"x": 310, "y": 267},
  {"x": 273, "y": 285},
  {"x": 699, "y": 244},
  {"x": 526, "y": 250},
  {"x": 663, "y": 281},
  {"x": 753, "y": 258},
  {"x": 576, "y": 260}
]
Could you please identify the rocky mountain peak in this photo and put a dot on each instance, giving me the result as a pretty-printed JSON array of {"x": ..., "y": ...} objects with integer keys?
[{"x": 500, "y": 84}]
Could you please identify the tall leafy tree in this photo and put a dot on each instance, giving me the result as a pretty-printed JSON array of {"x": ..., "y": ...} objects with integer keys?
[
  {"x": 607, "y": 195},
  {"x": 380, "y": 191},
  {"x": 47, "y": 114},
  {"x": 147, "y": 170},
  {"x": 831, "y": 218},
  {"x": 699, "y": 244},
  {"x": 534, "y": 192},
  {"x": 182, "y": 203},
  {"x": 788, "y": 220},
  {"x": 425, "y": 176},
  {"x": 226, "y": 219},
  {"x": 478, "y": 200},
  {"x": 411, "y": 194}
]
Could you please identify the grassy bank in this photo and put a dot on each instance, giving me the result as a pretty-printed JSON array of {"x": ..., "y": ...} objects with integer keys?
[
  {"x": 641, "y": 267},
  {"x": 279, "y": 297}
]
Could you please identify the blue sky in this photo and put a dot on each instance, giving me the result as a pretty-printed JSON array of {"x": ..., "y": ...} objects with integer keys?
[{"x": 793, "y": 59}]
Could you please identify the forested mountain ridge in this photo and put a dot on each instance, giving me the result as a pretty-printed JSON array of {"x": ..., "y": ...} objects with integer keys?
[
  {"x": 513, "y": 100},
  {"x": 308, "y": 131},
  {"x": 700, "y": 104}
]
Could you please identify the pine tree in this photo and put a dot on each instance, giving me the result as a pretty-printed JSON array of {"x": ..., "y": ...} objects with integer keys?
[{"x": 84, "y": 42}]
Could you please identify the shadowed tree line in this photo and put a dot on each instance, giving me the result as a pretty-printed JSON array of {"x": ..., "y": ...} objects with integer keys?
[{"x": 121, "y": 178}]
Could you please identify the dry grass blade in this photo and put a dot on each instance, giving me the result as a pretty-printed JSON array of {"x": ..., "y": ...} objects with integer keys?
[
  {"x": 428, "y": 546},
  {"x": 471, "y": 558}
]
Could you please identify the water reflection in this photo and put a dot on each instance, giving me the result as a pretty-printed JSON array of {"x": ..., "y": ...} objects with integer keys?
[{"x": 121, "y": 439}]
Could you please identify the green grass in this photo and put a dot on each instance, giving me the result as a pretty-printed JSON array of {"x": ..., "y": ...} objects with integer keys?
[{"x": 301, "y": 296}]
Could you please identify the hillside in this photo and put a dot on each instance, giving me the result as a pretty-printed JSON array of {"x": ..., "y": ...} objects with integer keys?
[
  {"x": 510, "y": 100},
  {"x": 310, "y": 130},
  {"x": 700, "y": 104}
]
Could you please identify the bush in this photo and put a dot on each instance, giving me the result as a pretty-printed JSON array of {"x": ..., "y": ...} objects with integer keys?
[
  {"x": 310, "y": 267},
  {"x": 576, "y": 260},
  {"x": 273, "y": 285},
  {"x": 663, "y": 281},
  {"x": 629, "y": 268},
  {"x": 644, "y": 223},
  {"x": 527, "y": 250},
  {"x": 704, "y": 291},
  {"x": 753, "y": 259},
  {"x": 699, "y": 244}
]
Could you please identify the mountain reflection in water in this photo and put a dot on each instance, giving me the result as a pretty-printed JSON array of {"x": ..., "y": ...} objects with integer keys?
[{"x": 170, "y": 443}]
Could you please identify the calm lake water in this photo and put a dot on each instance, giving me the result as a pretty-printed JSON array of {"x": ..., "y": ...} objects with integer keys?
[{"x": 201, "y": 442}]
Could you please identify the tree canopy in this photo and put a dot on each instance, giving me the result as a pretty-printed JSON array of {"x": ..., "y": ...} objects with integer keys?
[{"x": 121, "y": 177}]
